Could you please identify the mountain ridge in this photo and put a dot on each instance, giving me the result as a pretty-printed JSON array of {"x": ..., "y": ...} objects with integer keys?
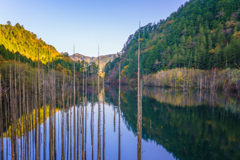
[{"x": 103, "y": 59}]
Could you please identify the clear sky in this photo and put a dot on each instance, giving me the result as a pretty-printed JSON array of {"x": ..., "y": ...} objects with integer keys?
[{"x": 85, "y": 23}]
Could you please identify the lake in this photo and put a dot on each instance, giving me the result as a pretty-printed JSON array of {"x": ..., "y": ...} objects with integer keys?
[{"x": 175, "y": 125}]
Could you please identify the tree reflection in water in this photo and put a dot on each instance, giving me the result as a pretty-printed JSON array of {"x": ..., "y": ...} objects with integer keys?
[{"x": 190, "y": 125}]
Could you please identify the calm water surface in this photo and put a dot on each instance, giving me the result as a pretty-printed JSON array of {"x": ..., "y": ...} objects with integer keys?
[{"x": 175, "y": 125}]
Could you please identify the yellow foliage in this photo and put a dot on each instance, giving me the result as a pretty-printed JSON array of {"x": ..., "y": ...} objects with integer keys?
[
  {"x": 124, "y": 70},
  {"x": 236, "y": 34},
  {"x": 230, "y": 24},
  {"x": 141, "y": 39},
  {"x": 160, "y": 27},
  {"x": 212, "y": 31},
  {"x": 151, "y": 47},
  {"x": 59, "y": 67},
  {"x": 166, "y": 23},
  {"x": 179, "y": 74},
  {"x": 68, "y": 59},
  {"x": 31, "y": 117},
  {"x": 171, "y": 21},
  {"x": 212, "y": 51},
  {"x": 102, "y": 74}
]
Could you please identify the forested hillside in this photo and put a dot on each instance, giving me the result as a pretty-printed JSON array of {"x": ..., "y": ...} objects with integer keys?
[
  {"x": 17, "y": 39},
  {"x": 201, "y": 34},
  {"x": 16, "y": 42}
]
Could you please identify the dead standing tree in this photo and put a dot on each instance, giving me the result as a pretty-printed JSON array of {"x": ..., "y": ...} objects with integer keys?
[
  {"x": 13, "y": 137},
  {"x": 82, "y": 109},
  {"x": 74, "y": 112},
  {"x": 35, "y": 113},
  {"x": 85, "y": 149},
  {"x": 103, "y": 122},
  {"x": 20, "y": 106},
  {"x": 119, "y": 112},
  {"x": 39, "y": 97},
  {"x": 99, "y": 117},
  {"x": 139, "y": 102},
  {"x": 15, "y": 107},
  {"x": 62, "y": 127},
  {"x": 92, "y": 120}
]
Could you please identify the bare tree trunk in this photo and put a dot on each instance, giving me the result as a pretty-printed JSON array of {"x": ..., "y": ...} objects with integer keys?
[
  {"x": 12, "y": 117},
  {"x": 15, "y": 107},
  {"x": 54, "y": 105},
  {"x": 139, "y": 122},
  {"x": 68, "y": 129},
  {"x": 20, "y": 108},
  {"x": 78, "y": 119},
  {"x": 27, "y": 128},
  {"x": 6, "y": 103},
  {"x": 33, "y": 118},
  {"x": 12, "y": 106},
  {"x": 24, "y": 120},
  {"x": 139, "y": 125},
  {"x": 85, "y": 121},
  {"x": 44, "y": 116},
  {"x": 74, "y": 112},
  {"x": 50, "y": 113},
  {"x": 103, "y": 122},
  {"x": 39, "y": 97},
  {"x": 99, "y": 118},
  {"x": 92, "y": 123},
  {"x": 83, "y": 149},
  {"x": 119, "y": 112},
  {"x": 36, "y": 115},
  {"x": 114, "y": 120},
  {"x": 63, "y": 154}
]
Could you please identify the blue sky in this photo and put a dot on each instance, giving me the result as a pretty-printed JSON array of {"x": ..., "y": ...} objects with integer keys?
[{"x": 85, "y": 23}]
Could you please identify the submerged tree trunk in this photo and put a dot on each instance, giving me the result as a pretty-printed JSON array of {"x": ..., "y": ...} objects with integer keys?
[
  {"x": 92, "y": 121},
  {"x": 15, "y": 107},
  {"x": 24, "y": 119},
  {"x": 39, "y": 90},
  {"x": 62, "y": 127},
  {"x": 74, "y": 112},
  {"x": 103, "y": 122},
  {"x": 139, "y": 122},
  {"x": 44, "y": 117},
  {"x": 20, "y": 108},
  {"x": 119, "y": 113},
  {"x": 99, "y": 119},
  {"x": 12, "y": 115},
  {"x": 27, "y": 127},
  {"x": 78, "y": 119},
  {"x": 83, "y": 149}
]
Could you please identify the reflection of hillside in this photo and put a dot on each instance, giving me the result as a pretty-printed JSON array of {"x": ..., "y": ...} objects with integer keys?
[
  {"x": 197, "y": 132},
  {"x": 31, "y": 121},
  {"x": 192, "y": 98}
]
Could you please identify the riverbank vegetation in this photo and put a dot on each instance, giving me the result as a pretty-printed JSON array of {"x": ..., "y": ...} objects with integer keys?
[{"x": 226, "y": 79}]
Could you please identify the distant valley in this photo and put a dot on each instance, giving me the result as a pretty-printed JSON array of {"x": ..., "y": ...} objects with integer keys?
[{"x": 104, "y": 59}]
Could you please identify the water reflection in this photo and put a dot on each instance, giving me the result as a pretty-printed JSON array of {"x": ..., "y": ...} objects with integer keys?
[
  {"x": 169, "y": 125},
  {"x": 194, "y": 98}
]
